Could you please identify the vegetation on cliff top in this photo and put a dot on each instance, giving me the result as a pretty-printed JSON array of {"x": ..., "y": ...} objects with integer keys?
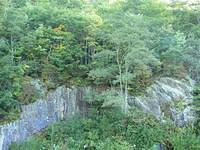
[
  {"x": 107, "y": 128},
  {"x": 124, "y": 44}
]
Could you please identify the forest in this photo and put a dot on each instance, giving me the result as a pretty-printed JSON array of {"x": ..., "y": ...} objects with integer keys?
[{"x": 105, "y": 44}]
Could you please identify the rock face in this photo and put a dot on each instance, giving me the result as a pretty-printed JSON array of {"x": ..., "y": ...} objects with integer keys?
[
  {"x": 168, "y": 98},
  {"x": 36, "y": 116},
  {"x": 39, "y": 87}
]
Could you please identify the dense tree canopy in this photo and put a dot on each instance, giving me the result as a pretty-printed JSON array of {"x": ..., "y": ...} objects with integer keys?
[{"x": 125, "y": 44}]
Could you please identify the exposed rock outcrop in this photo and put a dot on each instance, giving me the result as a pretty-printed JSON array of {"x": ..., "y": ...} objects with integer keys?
[
  {"x": 168, "y": 98},
  {"x": 36, "y": 116},
  {"x": 39, "y": 87}
]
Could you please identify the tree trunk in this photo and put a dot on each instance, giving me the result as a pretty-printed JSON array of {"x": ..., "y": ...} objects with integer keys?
[
  {"x": 120, "y": 73},
  {"x": 11, "y": 48},
  {"x": 126, "y": 91},
  {"x": 120, "y": 77}
]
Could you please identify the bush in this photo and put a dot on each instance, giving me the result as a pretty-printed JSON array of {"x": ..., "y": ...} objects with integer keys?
[{"x": 112, "y": 131}]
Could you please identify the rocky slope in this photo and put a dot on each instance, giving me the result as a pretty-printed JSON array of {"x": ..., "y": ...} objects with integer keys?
[
  {"x": 36, "y": 116},
  {"x": 168, "y": 98}
]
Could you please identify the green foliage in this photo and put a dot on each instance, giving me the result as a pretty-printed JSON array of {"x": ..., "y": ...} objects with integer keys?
[
  {"x": 42, "y": 39},
  {"x": 112, "y": 130},
  {"x": 185, "y": 139},
  {"x": 187, "y": 21},
  {"x": 123, "y": 57},
  {"x": 33, "y": 144},
  {"x": 196, "y": 105},
  {"x": 108, "y": 128},
  {"x": 123, "y": 44},
  {"x": 196, "y": 94},
  {"x": 103, "y": 100},
  {"x": 28, "y": 93},
  {"x": 10, "y": 78}
]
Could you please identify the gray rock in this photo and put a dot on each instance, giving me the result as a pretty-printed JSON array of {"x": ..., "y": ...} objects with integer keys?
[
  {"x": 160, "y": 99},
  {"x": 164, "y": 98},
  {"x": 39, "y": 86},
  {"x": 34, "y": 117}
]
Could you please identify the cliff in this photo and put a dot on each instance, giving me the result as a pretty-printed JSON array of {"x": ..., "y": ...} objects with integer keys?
[
  {"x": 36, "y": 116},
  {"x": 168, "y": 98}
]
